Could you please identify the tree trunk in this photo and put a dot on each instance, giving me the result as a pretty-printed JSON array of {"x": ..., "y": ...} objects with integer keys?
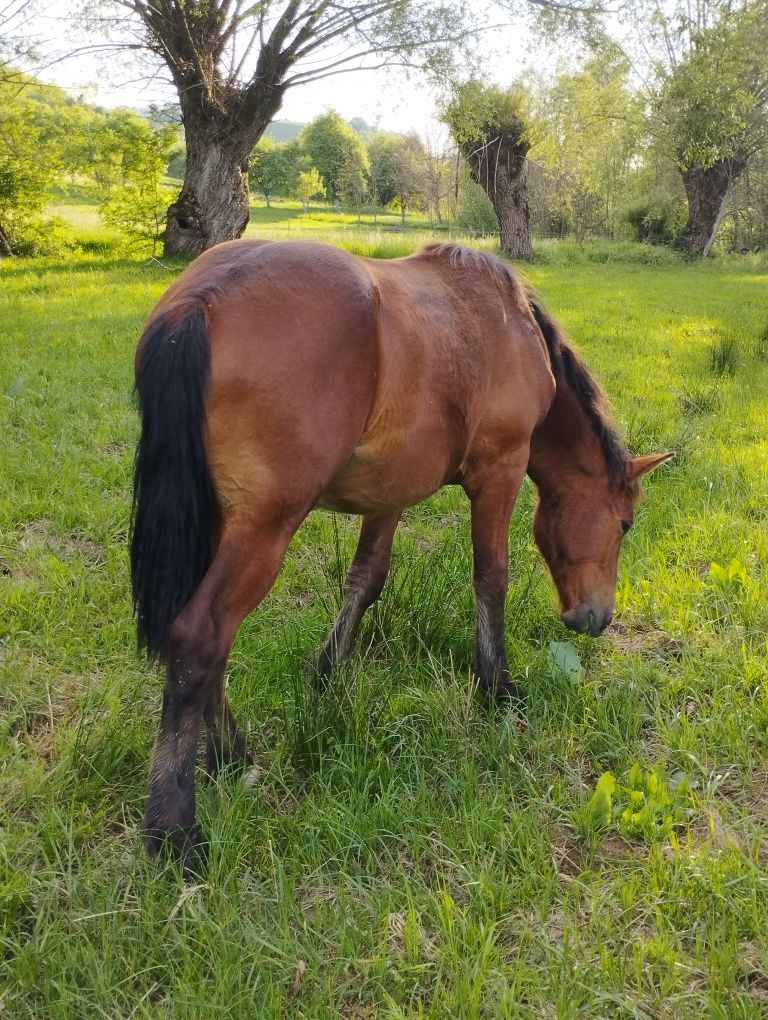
[
  {"x": 500, "y": 167},
  {"x": 5, "y": 248},
  {"x": 213, "y": 205},
  {"x": 513, "y": 214},
  {"x": 707, "y": 190},
  {"x": 214, "y": 202}
]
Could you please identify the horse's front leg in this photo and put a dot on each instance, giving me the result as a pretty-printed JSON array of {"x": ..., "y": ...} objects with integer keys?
[
  {"x": 364, "y": 584},
  {"x": 493, "y": 492}
]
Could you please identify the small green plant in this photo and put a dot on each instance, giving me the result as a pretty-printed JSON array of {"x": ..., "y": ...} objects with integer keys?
[
  {"x": 565, "y": 658},
  {"x": 644, "y": 805},
  {"x": 724, "y": 356},
  {"x": 728, "y": 578}
]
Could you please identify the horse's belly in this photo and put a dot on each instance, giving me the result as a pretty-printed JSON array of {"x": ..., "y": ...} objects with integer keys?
[{"x": 378, "y": 479}]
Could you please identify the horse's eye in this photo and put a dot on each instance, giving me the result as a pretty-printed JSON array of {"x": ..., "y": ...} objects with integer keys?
[{"x": 625, "y": 526}]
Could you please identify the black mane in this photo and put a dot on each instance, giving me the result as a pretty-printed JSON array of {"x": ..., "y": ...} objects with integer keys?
[{"x": 568, "y": 367}]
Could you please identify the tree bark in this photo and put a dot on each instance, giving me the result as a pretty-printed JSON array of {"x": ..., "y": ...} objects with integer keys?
[
  {"x": 707, "y": 189},
  {"x": 5, "y": 248},
  {"x": 499, "y": 165},
  {"x": 214, "y": 205}
]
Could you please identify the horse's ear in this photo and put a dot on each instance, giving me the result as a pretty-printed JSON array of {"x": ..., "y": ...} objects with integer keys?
[{"x": 639, "y": 466}]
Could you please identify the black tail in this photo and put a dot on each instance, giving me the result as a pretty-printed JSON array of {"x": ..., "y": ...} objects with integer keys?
[{"x": 173, "y": 497}]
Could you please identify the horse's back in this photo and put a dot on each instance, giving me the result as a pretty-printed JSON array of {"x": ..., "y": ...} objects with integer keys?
[
  {"x": 293, "y": 336},
  {"x": 365, "y": 384}
]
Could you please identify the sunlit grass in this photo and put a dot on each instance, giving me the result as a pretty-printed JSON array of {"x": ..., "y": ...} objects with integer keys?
[{"x": 403, "y": 854}]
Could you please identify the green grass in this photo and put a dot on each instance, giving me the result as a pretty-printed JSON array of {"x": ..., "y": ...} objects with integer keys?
[
  {"x": 284, "y": 214},
  {"x": 402, "y": 854}
]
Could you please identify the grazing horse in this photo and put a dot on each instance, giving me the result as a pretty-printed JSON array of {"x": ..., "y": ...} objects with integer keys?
[{"x": 273, "y": 378}]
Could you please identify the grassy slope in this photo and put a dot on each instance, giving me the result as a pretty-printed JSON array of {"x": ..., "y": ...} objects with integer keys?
[{"x": 402, "y": 854}]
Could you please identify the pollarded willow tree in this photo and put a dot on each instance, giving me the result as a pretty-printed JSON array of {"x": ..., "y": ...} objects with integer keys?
[
  {"x": 714, "y": 104},
  {"x": 493, "y": 130},
  {"x": 702, "y": 71},
  {"x": 232, "y": 62}
]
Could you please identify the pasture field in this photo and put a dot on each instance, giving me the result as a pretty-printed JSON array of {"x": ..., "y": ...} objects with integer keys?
[{"x": 402, "y": 854}]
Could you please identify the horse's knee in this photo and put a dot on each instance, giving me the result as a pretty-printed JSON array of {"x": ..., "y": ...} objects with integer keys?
[
  {"x": 195, "y": 659},
  {"x": 368, "y": 585}
]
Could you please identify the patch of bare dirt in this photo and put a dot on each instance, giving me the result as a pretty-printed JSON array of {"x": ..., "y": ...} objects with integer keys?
[
  {"x": 567, "y": 855},
  {"x": 648, "y": 642},
  {"x": 41, "y": 535}
]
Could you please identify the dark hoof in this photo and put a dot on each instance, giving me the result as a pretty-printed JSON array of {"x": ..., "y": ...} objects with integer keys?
[
  {"x": 218, "y": 758},
  {"x": 319, "y": 670},
  {"x": 186, "y": 846},
  {"x": 502, "y": 693},
  {"x": 508, "y": 697}
]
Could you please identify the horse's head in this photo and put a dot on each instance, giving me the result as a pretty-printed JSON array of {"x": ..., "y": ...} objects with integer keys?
[{"x": 579, "y": 531}]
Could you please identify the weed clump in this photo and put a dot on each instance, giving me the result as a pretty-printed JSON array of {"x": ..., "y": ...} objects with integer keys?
[
  {"x": 644, "y": 805},
  {"x": 724, "y": 356},
  {"x": 761, "y": 345},
  {"x": 699, "y": 400}
]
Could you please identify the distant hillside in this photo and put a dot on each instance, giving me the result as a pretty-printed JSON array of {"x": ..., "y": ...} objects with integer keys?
[{"x": 284, "y": 130}]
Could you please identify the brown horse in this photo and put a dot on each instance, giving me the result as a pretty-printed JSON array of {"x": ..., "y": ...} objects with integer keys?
[{"x": 273, "y": 378}]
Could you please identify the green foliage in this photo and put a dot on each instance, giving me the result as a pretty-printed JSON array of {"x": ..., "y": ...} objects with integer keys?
[
  {"x": 138, "y": 208},
  {"x": 730, "y": 578},
  {"x": 657, "y": 219},
  {"x": 132, "y": 156},
  {"x": 309, "y": 185},
  {"x": 715, "y": 100},
  {"x": 116, "y": 157},
  {"x": 474, "y": 212},
  {"x": 591, "y": 138},
  {"x": 476, "y": 110},
  {"x": 274, "y": 168},
  {"x": 565, "y": 658},
  {"x": 644, "y": 805},
  {"x": 336, "y": 150},
  {"x": 381, "y": 153},
  {"x": 28, "y": 164}
]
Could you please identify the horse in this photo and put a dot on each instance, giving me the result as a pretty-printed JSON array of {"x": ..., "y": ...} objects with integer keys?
[{"x": 276, "y": 377}]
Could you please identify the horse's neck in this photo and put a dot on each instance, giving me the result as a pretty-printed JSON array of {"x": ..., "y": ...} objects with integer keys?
[{"x": 564, "y": 443}]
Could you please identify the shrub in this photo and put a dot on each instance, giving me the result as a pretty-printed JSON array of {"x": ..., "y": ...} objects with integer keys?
[
  {"x": 474, "y": 212},
  {"x": 656, "y": 220}
]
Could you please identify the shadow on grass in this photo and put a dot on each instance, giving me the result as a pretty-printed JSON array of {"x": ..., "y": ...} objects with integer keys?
[{"x": 21, "y": 269}]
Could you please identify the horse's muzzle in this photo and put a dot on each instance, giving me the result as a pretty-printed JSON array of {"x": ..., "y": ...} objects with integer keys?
[{"x": 587, "y": 619}]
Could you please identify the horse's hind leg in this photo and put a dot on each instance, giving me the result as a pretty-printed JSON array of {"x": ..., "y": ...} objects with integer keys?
[
  {"x": 362, "y": 587},
  {"x": 244, "y": 569},
  {"x": 226, "y": 745},
  {"x": 493, "y": 494}
]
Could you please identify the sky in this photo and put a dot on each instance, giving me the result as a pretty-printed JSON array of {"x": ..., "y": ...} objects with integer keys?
[{"x": 388, "y": 99}]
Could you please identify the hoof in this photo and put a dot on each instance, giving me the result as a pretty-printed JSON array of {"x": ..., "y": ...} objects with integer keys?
[
  {"x": 508, "y": 697},
  {"x": 319, "y": 670},
  {"x": 235, "y": 757},
  {"x": 502, "y": 693},
  {"x": 186, "y": 846}
]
